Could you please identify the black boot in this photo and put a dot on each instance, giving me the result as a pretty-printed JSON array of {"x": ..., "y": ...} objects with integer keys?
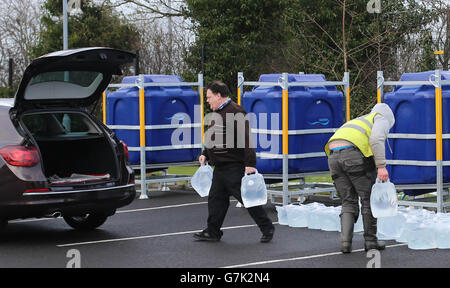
[
  {"x": 206, "y": 236},
  {"x": 347, "y": 224},
  {"x": 267, "y": 237},
  {"x": 370, "y": 233}
]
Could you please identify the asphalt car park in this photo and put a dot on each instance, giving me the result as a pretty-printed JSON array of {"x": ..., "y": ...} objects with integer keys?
[{"x": 157, "y": 233}]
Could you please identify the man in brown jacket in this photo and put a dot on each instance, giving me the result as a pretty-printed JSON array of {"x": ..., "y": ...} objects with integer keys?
[{"x": 228, "y": 148}]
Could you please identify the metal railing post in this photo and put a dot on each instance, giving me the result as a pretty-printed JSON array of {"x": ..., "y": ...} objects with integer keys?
[
  {"x": 240, "y": 87},
  {"x": 142, "y": 144},
  {"x": 380, "y": 90},
  {"x": 439, "y": 176},
  {"x": 285, "y": 117},
  {"x": 104, "y": 106},
  {"x": 200, "y": 91},
  {"x": 347, "y": 94}
]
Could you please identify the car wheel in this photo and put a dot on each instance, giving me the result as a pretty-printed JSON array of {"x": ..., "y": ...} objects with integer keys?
[{"x": 87, "y": 221}]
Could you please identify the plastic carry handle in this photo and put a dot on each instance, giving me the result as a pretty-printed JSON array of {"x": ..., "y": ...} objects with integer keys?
[
  {"x": 379, "y": 181},
  {"x": 256, "y": 172}
]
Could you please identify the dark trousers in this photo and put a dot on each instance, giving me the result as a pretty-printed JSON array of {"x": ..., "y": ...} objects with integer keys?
[
  {"x": 353, "y": 177},
  {"x": 226, "y": 182}
]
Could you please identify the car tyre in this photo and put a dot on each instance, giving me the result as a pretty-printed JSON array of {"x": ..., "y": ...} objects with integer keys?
[{"x": 86, "y": 222}]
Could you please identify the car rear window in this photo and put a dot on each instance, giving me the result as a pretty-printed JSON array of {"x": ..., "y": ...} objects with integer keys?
[
  {"x": 63, "y": 85},
  {"x": 81, "y": 78},
  {"x": 59, "y": 124}
]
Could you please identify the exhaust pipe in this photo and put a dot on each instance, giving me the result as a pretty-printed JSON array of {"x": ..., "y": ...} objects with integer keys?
[{"x": 53, "y": 215}]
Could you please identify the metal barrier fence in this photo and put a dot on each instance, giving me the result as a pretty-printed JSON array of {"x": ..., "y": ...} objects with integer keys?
[
  {"x": 285, "y": 192},
  {"x": 142, "y": 127},
  {"x": 437, "y": 82}
]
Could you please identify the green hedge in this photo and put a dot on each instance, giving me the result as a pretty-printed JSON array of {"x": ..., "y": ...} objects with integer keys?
[{"x": 6, "y": 92}]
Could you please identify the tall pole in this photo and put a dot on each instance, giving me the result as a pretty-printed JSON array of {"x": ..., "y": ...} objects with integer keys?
[
  {"x": 200, "y": 91},
  {"x": 65, "y": 26},
  {"x": 65, "y": 34},
  {"x": 446, "y": 64},
  {"x": 136, "y": 64},
  {"x": 10, "y": 72},
  {"x": 203, "y": 52},
  {"x": 170, "y": 27}
]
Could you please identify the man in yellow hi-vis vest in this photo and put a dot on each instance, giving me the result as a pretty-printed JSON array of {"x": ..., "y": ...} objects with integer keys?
[{"x": 356, "y": 157}]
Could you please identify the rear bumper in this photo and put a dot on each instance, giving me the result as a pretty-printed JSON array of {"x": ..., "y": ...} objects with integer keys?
[{"x": 73, "y": 202}]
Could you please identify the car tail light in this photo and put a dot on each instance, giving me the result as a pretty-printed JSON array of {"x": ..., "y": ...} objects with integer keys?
[
  {"x": 125, "y": 151},
  {"x": 21, "y": 156},
  {"x": 37, "y": 190}
]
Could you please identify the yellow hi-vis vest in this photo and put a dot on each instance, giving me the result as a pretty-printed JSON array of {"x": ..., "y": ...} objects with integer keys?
[{"x": 356, "y": 131}]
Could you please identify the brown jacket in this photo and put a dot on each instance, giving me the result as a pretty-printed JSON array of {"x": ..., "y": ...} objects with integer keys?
[{"x": 227, "y": 139}]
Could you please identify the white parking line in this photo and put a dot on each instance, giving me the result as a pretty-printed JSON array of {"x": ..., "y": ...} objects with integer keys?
[
  {"x": 122, "y": 211},
  {"x": 164, "y": 207},
  {"x": 160, "y": 207},
  {"x": 150, "y": 236},
  {"x": 302, "y": 258},
  {"x": 33, "y": 220}
]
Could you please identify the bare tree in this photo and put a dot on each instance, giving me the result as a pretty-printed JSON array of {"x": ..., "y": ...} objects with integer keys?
[
  {"x": 416, "y": 52},
  {"x": 442, "y": 34},
  {"x": 161, "y": 50},
  {"x": 155, "y": 8},
  {"x": 364, "y": 43},
  {"x": 164, "y": 33},
  {"x": 19, "y": 32}
]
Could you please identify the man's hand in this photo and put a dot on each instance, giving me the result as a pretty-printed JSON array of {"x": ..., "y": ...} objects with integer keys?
[
  {"x": 202, "y": 159},
  {"x": 383, "y": 174},
  {"x": 250, "y": 170}
]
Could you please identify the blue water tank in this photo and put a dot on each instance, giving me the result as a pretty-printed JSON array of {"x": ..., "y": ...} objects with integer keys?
[
  {"x": 164, "y": 105},
  {"x": 309, "y": 108},
  {"x": 414, "y": 110}
]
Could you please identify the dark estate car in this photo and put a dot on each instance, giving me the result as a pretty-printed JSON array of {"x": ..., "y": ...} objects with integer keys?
[{"x": 57, "y": 158}]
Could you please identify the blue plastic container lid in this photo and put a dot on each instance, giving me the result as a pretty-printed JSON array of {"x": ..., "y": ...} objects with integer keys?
[
  {"x": 293, "y": 78},
  {"x": 423, "y": 76},
  {"x": 153, "y": 79},
  {"x": 296, "y": 78}
]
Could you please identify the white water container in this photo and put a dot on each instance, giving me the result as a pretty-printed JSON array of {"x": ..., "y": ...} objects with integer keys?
[
  {"x": 201, "y": 181},
  {"x": 282, "y": 215},
  {"x": 383, "y": 199},
  {"x": 390, "y": 228},
  {"x": 442, "y": 230},
  {"x": 413, "y": 220},
  {"x": 423, "y": 236},
  {"x": 253, "y": 190},
  {"x": 330, "y": 220},
  {"x": 314, "y": 214},
  {"x": 297, "y": 215}
]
